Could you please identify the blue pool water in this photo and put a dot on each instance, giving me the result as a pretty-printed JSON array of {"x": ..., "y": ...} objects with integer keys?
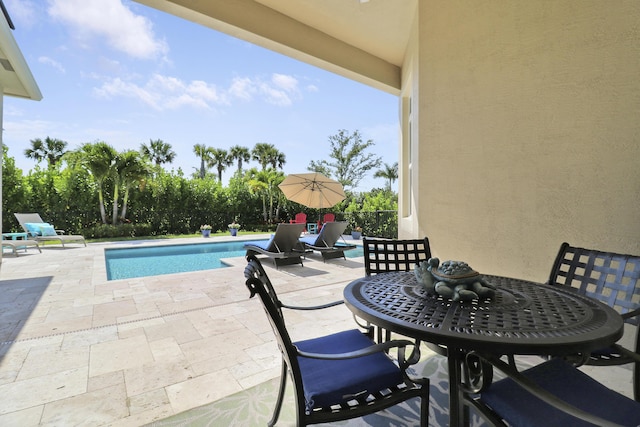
[{"x": 127, "y": 263}]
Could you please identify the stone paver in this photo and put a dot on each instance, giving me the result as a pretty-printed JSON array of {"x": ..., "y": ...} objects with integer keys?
[{"x": 76, "y": 349}]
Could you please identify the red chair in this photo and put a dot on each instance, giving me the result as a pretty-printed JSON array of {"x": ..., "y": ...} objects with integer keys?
[
  {"x": 329, "y": 217},
  {"x": 301, "y": 218}
]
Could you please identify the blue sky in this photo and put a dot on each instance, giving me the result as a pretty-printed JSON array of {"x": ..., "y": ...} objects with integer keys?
[{"x": 123, "y": 73}]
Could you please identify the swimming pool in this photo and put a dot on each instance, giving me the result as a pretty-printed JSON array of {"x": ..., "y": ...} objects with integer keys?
[{"x": 127, "y": 263}]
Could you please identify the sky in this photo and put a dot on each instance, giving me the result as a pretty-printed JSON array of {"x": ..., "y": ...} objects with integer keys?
[{"x": 121, "y": 72}]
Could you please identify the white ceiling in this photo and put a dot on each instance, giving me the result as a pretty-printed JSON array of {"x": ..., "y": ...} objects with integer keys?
[
  {"x": 379, "y": 27},
  {"x": 361, "y": 40}
]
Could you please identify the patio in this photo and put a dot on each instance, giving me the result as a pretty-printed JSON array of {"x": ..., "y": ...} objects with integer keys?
[{"x": 80, "y": 350}]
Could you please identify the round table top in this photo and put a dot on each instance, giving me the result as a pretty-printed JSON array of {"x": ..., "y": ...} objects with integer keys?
[{"x": 523, "y": 318}]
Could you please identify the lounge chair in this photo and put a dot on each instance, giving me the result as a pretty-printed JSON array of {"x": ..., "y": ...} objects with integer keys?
[
  {"x": 19, "y": 244},
  {"x": 326, "y": 241},
  {"x": 284, "y": 247},
  {"x": 41, "y": 231}
]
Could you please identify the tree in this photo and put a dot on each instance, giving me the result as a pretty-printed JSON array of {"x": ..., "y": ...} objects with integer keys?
[
  {"x": 204, "y": 153},
  {"x": 265, "y": 184},
  {"x": 158, "y": 151},
  {"x": 350, "y": 162},
  {"x": 388, "y": 172},
  {"x": 241, "y": 154},
  {"x": 131, "y": 170},
  {"x": 219, "y": 159},
  {"x": 51, "y": 149},
  {"x": 99, "y": 160},
  {"x": 268, "y": 154}
]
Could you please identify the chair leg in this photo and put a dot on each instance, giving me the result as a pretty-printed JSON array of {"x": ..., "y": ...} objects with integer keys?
[
  {"x": 424, "y": 407},
  {"x": 283, "y": 386},
  {"x": 636, "y": 381}
]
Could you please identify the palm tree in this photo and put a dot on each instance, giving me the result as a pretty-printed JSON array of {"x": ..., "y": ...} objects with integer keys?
[
  {"x": 132, "y": 170},
  {"x": 265, "y": 183},
  {"x": 241, "y": 154},
  {"x": 204, "y": 153},
  {"x": 51, "y": 149},
  {"x": 389, "y": 172},
  {"x": 98, "y": 159},
  {"x": 219, "y": 159},
  {"x": 158, "y": 151},
  {"x": 267, "y": 154}
]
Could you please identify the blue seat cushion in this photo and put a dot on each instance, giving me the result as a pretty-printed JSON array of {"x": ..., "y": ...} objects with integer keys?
[
  {"x": 329, "y": 382},
  {"x": 520, "y": 408},
  {"x": 48, "y": 230},
  {"x": 310, "y": 240},
  {"x": 35, "y": 228},
  {"x": 263, "y": 244}
]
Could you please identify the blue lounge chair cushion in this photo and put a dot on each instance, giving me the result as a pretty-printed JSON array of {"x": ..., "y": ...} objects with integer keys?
[
  {"x": 310, "y": 240},
  {"x": 48, "y": 230},
  {"x": 328, "y": 382},
  {"x": 263, "y": 244},
  {"x": 520, "y": 408},
  {"x": 35, "y": 228}
]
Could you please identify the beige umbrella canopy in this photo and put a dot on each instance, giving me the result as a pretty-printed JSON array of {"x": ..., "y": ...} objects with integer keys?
[{"x": 312, "y": 190}]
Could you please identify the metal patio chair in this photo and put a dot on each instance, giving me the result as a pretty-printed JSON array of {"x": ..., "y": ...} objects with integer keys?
[
  {"x": 339, "y": 376},
  {"x": 384, "y": 255},
  {"x": 613, "y": 279}
]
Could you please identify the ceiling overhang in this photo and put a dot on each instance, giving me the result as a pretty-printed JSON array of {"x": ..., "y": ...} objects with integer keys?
[
  {"x": 364, "y": 41},
  {"x": 15, "y": 76}
]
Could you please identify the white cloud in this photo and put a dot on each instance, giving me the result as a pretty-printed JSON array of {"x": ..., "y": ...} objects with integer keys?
[
  {"x": 52, "y": 62},
  {"x": 284, "y": 82},
  {"x": 163, "y": 92},
  {"x": 243, "y": 88},
  {"x": 281, "y": 90},
  {"x": 123, "y": 30}
]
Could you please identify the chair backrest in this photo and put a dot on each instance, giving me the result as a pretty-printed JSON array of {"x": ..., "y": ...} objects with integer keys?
[
  {"x": 259, "y": 284},
  {"x": 329, "y": 217},
  {"x": 25, "y": 218},
  {"x": 609, "y": 277},
  {"x": 286, "y": 238},
  {"x": 330, "y": 233},
  {"x": 301, "y": 218},
  {"x": 384, "y": 255}
]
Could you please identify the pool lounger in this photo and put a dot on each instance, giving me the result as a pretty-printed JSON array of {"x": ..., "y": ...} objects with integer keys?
[
  {"x": 16, "y": 245},
  {"x": 284, "y": 247}
]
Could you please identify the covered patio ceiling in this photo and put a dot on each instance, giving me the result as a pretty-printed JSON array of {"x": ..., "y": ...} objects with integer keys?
[{"x": 361, "y": 40}]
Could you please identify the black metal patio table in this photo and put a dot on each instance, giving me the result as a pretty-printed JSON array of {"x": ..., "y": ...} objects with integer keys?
[{"x": 522, "y": 318}]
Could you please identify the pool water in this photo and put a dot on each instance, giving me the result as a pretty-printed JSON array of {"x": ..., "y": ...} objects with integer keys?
[{"x": 127, "y": 263}]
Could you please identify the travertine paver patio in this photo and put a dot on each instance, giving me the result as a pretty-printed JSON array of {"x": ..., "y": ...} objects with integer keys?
[
  {"x": 79, "y": 350},
  {"x": 76, "y": 349}
]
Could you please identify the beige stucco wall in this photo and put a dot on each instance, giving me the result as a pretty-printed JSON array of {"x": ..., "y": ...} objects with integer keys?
[{"x": 528, "y": 123}]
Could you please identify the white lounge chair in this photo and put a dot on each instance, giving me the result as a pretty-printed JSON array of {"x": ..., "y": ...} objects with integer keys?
[
  {"x": 41, "y": 231},
  {"x": 16, "y": 244}
]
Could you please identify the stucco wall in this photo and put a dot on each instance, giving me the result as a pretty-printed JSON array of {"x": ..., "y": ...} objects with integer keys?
[{"x": 528, "y": 130}]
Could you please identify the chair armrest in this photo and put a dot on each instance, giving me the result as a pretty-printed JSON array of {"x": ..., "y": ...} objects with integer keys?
[
  {"x": 312, "y": 307},
  {"x": 376, "y": 348},
  {"x": 543, "y": 394},
  {"x": 631, "y": 314},
  {"x": 626, "y": 353}
]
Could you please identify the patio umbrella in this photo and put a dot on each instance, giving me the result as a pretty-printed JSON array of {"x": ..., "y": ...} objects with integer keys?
[{"x": 312, "y": 190}]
